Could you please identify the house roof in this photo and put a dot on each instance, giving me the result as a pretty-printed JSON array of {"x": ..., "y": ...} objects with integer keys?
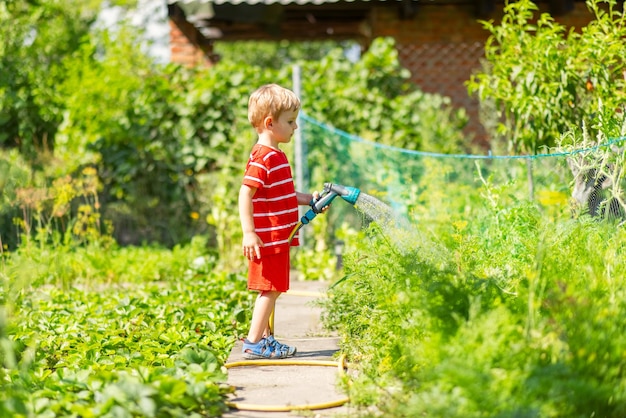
[
  {"x": 195, "y": 3},
  {"x": 307, "y": 19},
  {"x": 232, "y": 20}
]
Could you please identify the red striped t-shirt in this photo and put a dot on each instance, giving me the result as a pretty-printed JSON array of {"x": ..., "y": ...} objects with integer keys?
[{"x": 275, "y": 205}]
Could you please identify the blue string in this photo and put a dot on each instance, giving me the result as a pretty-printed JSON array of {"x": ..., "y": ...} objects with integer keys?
[{"x": 441, "y": 155}]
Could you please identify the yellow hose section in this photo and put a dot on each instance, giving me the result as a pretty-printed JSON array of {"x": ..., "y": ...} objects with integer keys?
[
  {"x": 271, "y": 322},
  {"x": 282, "y": 362},
  {"x": 340, "y": 364},
  {"x": 286, "y": 408},
  {"x": 294, "y": 230}
]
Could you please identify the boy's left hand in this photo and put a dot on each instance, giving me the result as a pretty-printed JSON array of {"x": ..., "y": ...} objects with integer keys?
[
  {"x": 315, "y": 196},
  {"x": 252, "y": 245}
]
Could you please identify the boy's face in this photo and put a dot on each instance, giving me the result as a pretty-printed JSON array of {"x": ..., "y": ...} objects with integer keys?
[{"x": 284, "y": 126}]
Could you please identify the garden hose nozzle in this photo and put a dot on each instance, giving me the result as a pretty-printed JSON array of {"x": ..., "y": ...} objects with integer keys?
[{"x": 330, "y": 192}]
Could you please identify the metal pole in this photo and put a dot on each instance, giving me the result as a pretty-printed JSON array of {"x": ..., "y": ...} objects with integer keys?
[{"x": 298, "y": 149}]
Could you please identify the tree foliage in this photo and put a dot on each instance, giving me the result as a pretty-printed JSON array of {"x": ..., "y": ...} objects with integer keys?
[
  {"x": 36, "y": 37},
  {"x": 374, "y": 98},
  {"x": 276, "y": 54},
  {"x": 541, "y": 80},
  {"x": 169, "y": 143}
]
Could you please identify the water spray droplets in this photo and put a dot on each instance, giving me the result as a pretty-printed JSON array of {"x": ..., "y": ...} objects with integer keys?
[{"x": 396, "y": 227}]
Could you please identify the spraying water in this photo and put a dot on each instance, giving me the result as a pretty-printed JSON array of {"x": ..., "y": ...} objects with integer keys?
[
  {"x": 377, "y": 211},
  {"x": 396, "y": 227}
]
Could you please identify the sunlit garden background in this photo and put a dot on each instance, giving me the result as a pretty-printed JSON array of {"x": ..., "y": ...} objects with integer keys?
[{"x": 497, "y": 288}]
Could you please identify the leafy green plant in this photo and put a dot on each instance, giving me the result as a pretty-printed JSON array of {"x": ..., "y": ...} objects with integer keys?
[
  {"x": 276, "y": 54},
  {"x": 502, "y": 312},
  {"x": 67, "y": 213},
  {"x": 165, "y": 134},
  {"x": 162, "y": 137},
  {"x": 37, "y": 37},
  {"x": 138, "y": 332},
  {"x": 372, "y": 98},
  {"x": 541, "y": 80}
]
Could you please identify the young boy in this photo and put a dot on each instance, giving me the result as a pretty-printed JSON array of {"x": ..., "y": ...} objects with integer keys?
[{"x": 268, "y": 208}]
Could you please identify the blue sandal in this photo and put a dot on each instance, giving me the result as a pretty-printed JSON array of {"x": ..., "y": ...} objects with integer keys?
[
  {"x": 262, "y": 350},
  {"x": 280, "y": 347}
]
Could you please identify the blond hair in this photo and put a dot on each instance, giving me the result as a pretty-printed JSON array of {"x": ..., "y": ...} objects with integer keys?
[{"x": 270, "y": 100}]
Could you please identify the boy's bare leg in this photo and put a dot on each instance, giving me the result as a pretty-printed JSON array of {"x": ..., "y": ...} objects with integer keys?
[{"x": 263, "y": 308}]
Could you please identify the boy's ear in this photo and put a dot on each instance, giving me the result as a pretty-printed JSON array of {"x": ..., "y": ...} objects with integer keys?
[{"x": 267, "y": 122}]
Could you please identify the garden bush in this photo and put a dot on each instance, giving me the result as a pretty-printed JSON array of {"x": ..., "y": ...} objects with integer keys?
[
  {"x": 164, "y": 139},
  {"x": 508, "y": 307},
  {"x": 540, "y": 80}
]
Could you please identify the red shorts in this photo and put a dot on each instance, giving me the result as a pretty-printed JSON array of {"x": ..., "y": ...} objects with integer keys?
[{"x": 270, "y": 272}]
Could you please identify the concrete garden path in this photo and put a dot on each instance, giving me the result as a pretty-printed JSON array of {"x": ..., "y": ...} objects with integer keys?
[{"x": 297, "y": 322}]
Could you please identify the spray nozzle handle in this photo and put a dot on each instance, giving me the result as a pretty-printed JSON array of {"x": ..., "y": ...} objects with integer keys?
[{"x": 327, "y": 196}]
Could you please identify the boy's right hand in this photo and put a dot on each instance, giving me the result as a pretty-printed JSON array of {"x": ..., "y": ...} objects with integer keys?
[{"x": 252, "y": 245}]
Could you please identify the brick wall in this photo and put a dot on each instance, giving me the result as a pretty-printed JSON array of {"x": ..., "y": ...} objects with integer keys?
[{"x": 187, "y": 46}]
